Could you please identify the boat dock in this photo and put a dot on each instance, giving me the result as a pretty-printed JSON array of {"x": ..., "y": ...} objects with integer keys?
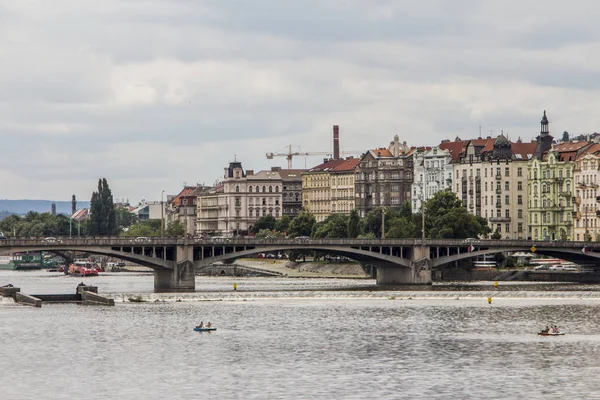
[{"x": 84, "y": 294}]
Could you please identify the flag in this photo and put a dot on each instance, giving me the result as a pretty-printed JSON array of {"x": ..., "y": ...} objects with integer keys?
[
  {"x": 583, "y": 250},
  {"x": 471, "y": 248}
]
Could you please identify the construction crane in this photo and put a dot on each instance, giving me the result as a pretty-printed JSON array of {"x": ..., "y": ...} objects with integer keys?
[{"x": 291, "y": 154}]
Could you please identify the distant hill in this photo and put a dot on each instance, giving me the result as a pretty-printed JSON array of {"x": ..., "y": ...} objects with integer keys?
[{"x": 22, "y": 207}]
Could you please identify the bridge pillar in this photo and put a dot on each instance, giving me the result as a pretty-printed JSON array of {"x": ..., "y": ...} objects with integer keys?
[
  {"x": 181, "y": 278},
  {"x": 419, "y": 272}
]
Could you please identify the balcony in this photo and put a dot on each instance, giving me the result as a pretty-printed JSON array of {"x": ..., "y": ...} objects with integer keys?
[
  {"x": 576, "y": 214},
  {"x": 498, "y": 205},
  {"x": 498, "y": 177},
  {"x": 498, "y": 190},
  {"x": 581, "y": 185},
  {"x": 471, "y": 178},
  {"x": 499, "y": 219},
  {"x": 593, "y": 185},
  {"x": 471, "y": 192},
  {"x": 597, "y": 199}
]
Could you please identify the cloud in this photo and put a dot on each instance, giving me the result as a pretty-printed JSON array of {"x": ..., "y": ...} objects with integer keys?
[{"x": 152, "y": 93}]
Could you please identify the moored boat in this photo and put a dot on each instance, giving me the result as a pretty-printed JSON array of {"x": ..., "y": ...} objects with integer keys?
[
  {"x": 83, "y": 268},
  {"x": 23, "y": 261},
  {"x": 550, "y": 334}
]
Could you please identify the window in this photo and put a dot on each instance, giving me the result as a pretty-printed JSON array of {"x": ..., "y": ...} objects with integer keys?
[
  {"x": 520, "y": 200},
  {"x": 237, "y": 202},
  {"x": 519, "y": 185},
  {"x": 507, "y": 199},
  {"x": 250, "y": 189},
  {"x": 270, "y": 189},
  {"x": 520, "y": 171},
  {"x": 276, "y": 189},
  {"x": 507, "y": 185},
  {"x": 519, "y": 213},
  {"x": 520, "y": 227},
  {"x": 507, "y": 213},
  {"x": 249, "y": 213},
  {"x": 506, "y": 171},
  {"x": 237, "y": 188},
  {"x": 507, "y": 228},
  {"x": 264, "y": 202},
  {"x": 264, "y": 189}
]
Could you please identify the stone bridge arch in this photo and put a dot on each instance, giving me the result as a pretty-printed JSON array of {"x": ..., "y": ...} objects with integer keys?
[
  {"x": 374, "y": 258},
  {"x": 146, "y": 261},
  {"x": 569, "y": 254}
]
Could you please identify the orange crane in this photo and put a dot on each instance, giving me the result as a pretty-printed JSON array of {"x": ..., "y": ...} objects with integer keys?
[{"x": 291, "y": 154}]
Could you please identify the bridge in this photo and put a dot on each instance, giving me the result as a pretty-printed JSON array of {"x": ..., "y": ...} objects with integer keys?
[{"x": 398, "y": 261}]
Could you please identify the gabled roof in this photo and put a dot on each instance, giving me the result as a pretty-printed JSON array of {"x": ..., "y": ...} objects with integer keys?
[
  {"x": 339, "y": 165},
  {"x": 455, "y": 148},
  {"x": 291, "y": 174}
]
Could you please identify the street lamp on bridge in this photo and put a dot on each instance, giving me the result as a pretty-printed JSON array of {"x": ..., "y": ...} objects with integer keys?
[{"x": 162, "y": 215}]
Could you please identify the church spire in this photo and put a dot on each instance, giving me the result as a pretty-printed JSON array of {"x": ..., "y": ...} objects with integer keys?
[{"x": 544, "y": 125}]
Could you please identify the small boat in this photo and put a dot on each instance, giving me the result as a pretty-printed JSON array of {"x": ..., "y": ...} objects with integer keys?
[
  {"x": 550, "y": 334},
  {"x": 198, "y": 329},
  {"x": 83, "y": 268}
]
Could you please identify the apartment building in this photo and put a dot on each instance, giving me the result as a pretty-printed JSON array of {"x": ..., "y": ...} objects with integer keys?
[
  {"x": 384, "y": 177},
  {"x": 490, "y": 178},
  {"x": 329, "y": 188},
  {"x": 432, "y": 173},
  {"x": 241, "y": 198}
]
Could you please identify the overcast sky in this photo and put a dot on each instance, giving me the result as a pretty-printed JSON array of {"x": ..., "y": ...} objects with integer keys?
[{"x": 155, "y": 94}]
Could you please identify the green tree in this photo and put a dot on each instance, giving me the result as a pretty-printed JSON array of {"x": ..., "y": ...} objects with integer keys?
[
  {"x": 149, "y": 227},
  {"x": 402, "y": 227},
  {"x": 446, "y": 218},
  {"x": 335, "y": 226},
  {"x": 496, "y": 235},
  {"x": 283, "y": 224},
  {"x": 124, "y": 218},
  {"x": 103, "y": 221},
  {"x": 266, "y": 222},
  {"x": 565, "y": 136},
  {"x": 353, "y": 224},
  {"x": 302, "y": 225},
  {"x": 175, "y": 228}
]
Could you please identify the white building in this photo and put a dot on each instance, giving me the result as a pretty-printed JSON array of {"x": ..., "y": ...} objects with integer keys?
[
  {"x": 239, "y": 200},
  {"x": 432, "y": 173}
]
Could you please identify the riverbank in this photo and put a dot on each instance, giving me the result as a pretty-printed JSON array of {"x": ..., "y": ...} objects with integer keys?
[{"x": 297, "y": 269}]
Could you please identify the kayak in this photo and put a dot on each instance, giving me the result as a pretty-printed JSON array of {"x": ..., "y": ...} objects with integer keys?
[
  {"x": 550, "y": 334},
  {"x": 204, "y": 329}
]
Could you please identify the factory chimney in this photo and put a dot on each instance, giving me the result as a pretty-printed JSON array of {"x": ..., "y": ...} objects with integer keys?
[
  {"x": 336, "y": 142},
  {"x": 73, "y": 205}
]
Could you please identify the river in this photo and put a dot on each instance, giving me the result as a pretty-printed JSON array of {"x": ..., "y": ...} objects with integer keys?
[{"x": 295, "y": 338}]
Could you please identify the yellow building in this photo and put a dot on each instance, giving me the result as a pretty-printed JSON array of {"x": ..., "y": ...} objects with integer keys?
[{"x": 329, "y": 188}]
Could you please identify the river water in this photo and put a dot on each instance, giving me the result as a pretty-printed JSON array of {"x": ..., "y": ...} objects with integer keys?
[{"x": 282, "y": 338}]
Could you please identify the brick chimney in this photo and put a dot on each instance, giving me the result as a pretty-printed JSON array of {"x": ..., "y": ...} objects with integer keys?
[{"x": 336, "y": 142}]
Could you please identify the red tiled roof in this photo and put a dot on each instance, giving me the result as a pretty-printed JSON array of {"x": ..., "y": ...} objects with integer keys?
[
  {"x": 524, "y": 149},
  {"x": 593, "y": 149},
  {"x": 336, "y": 165},
  {"x": 383, "y": 152},
  {"x": 455, "y": 148}
]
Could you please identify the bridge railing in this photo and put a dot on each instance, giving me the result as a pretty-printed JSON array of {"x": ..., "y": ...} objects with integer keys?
[{"x": 236, "y": 241}]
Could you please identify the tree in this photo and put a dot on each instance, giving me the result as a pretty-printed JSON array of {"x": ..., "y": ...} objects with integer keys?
[
  {"x": 266, "y": 222},
  {"x": 149, "y": 227},
  {"x": 283, "y": 224},
  {"x": 175, "y": 228},
  {"x": 335, "y": 226},
  {"x": 125, "y": 218},
  {"x": 446, "y": 218},
  {"x": 353, "y": 225},
  {"x": 565, "y": 136},
  {"x": 302, "y": 225},
  {"x": 103, "y": 221},
  {"x": 496, "y": 235},
  {"x": 402, "y": 227},
  {"x": 372, "y": 222}
]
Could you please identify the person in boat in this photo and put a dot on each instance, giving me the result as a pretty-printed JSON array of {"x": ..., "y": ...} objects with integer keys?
[
  {"x": 555, "y": 329},
  {"x": 208, "y": 324},
  {"x": 546, "y": 330},
  {"x": 201, "y": 325}
]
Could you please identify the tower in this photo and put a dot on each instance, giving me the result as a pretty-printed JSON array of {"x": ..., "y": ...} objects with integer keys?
[
  {"x": 544, "y": 140},
  {"x": 336, "y": 142},
  {"x": 73, "y": 205}
]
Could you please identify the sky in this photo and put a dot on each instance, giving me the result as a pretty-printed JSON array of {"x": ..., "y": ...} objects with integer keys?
[{"x": 155, "y": 94}]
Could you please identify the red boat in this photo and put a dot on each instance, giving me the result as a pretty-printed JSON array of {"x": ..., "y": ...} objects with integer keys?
[{"x": 83, "y": 268}]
